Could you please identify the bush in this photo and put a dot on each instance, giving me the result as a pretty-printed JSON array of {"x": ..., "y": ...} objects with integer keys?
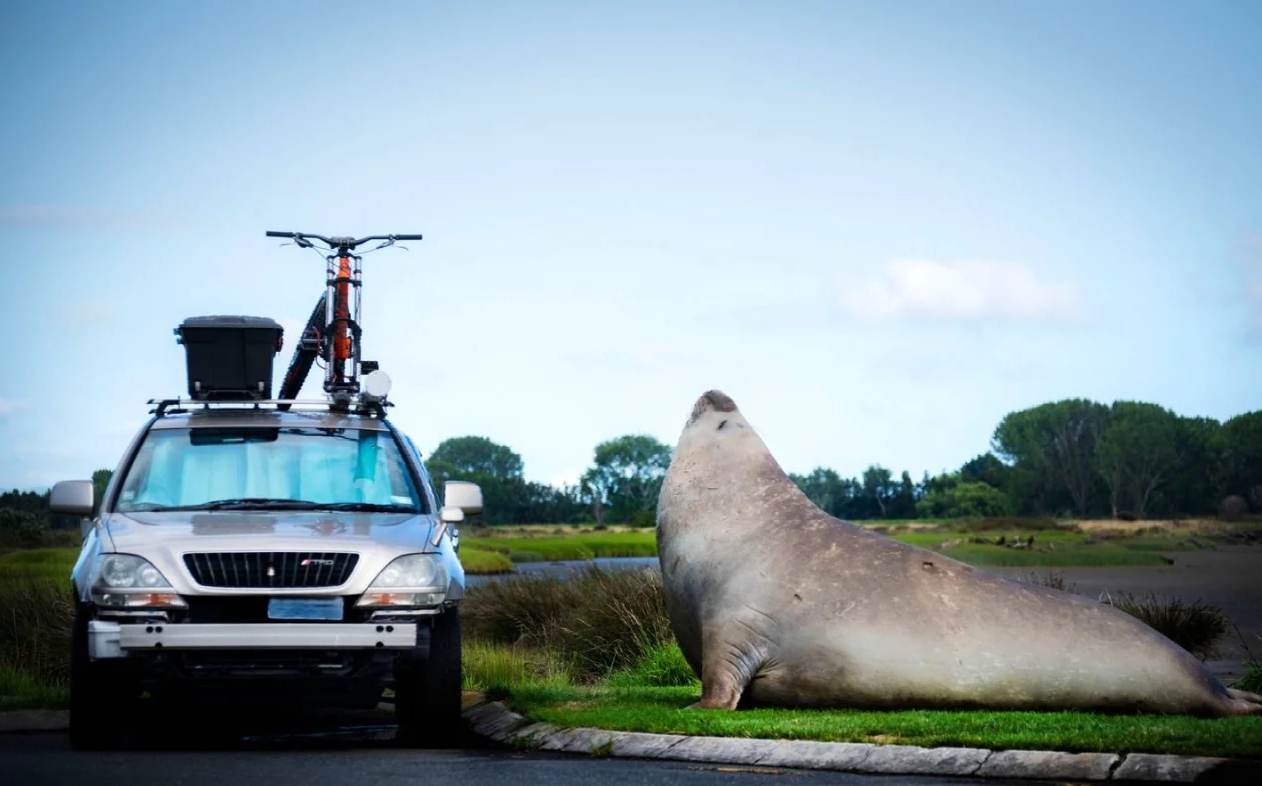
[
  {"x": 1196, "y": 627},
  {"x": 596, "y": 622},
  {"x": 965, "y": 500}
]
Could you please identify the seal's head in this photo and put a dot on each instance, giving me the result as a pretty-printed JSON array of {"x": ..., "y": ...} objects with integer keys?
[
  {"x": 712, "y": 401},
  {"x": 716, "y": 424}
]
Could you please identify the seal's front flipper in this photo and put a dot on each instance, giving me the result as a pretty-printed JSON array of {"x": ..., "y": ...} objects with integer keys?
[{"x": 732, "y": 651}]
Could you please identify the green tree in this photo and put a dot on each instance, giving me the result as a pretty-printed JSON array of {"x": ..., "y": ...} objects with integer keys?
[
  {"x": 477, "y": 456},
  {"x": 1193, "y": 486},
  {"x": 1238, "y": 445},
  {"x": 1054, "y": 444},
  {"x": 988, "y": 469},
  {"x": 828, "y": 490},
  {"x": 100, "y": 481},
  {"x": 494, "y": 467},
  {"x": 626, "y": 478},
  {"x": 879, "y": 488},
  {"x": 1137, "y": 454}
]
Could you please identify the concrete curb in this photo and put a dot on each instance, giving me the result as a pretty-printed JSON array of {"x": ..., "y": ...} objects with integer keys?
[
  {"x": 495, "y": 721},
  {"x": 34, "y": 720}
]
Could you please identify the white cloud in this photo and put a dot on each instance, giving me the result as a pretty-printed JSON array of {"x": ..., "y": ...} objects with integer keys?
[
  {"x": 8, "y": 406},
  {"x": 962, "y": 291}
]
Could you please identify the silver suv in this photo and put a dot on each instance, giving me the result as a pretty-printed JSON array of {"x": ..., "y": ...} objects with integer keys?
[{"x": 268, "y": 552}]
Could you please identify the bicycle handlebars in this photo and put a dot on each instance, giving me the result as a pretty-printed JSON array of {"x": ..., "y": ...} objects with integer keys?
[{"x": 340, "y": 243}]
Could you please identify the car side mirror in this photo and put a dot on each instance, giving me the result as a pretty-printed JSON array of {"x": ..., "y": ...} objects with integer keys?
[
  {"x": 450, "y": 514},
  {"x": 464, "y": 495},
  {"x": 73, "y": 498}
]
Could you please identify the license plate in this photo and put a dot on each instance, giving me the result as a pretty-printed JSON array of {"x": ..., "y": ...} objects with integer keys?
[{"x": 305, "y": 609}]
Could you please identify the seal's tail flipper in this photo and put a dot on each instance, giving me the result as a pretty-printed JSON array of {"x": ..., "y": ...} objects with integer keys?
[
  {"x": 1244, "y": 703},
  {"x": 1245, "y": 695}
]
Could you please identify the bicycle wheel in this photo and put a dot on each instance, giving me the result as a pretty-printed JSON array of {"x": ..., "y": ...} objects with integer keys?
[{"x": 304, "y": 354}]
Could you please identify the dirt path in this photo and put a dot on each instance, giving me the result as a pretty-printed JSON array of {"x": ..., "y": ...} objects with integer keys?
[{"x": 1229, "y": 577}]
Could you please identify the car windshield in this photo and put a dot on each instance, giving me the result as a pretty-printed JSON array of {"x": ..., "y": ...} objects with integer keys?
[{"x": 210, "y": 468}]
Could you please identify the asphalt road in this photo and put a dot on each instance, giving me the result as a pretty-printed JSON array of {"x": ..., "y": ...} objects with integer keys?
[{"x": 39, "y": 759}]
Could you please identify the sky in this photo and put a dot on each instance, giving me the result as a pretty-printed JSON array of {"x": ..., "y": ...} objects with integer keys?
[{"x": 879, "y": 227}]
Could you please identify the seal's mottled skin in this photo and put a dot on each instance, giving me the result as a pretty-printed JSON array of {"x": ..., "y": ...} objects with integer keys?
[{"x": 774, "y": 602}]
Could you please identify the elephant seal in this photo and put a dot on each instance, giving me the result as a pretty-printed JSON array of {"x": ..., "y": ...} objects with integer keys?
[{"x": 774, "y": 602}]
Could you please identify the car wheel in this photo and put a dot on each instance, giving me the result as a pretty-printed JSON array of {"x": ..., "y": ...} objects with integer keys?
[
  {"x": 102, "y": 695},
  {"x": 427, "y": 692}
]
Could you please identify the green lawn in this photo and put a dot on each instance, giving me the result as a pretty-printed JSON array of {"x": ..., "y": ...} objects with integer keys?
[{"x": 660, "y": 710}]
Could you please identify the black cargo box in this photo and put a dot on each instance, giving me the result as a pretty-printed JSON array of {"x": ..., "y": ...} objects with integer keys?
[{"x": 230, "y": 358}]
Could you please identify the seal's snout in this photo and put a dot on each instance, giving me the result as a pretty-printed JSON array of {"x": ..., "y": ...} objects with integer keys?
[{"x": 713, "y": 401}]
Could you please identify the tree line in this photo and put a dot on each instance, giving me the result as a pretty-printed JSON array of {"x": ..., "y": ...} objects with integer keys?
[{"x": 1069, "y": 458}]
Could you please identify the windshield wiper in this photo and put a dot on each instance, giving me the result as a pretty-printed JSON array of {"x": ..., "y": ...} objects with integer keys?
[
  {"x": 254, "y": 503},
  {"x": 367, "y": 507}
]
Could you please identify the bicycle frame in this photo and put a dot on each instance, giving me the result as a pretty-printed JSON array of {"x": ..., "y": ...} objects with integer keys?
[{"x": 338, "y": 339}]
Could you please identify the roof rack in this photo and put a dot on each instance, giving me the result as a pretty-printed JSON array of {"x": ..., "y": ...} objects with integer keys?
[{"x": 179, "y": 406}]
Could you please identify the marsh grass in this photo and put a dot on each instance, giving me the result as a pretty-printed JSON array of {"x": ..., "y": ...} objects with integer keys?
[{"x": 480, "y": 562}]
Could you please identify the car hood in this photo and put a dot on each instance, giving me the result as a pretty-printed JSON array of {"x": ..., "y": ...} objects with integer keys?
[{"x": 269, "y": 531}]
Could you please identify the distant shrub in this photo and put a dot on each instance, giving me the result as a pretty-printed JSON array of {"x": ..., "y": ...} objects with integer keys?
[
  {"x": 1009, "y": 522},
  {"x": 1126, "y": 515},
  {"x": 1196, "y": 627},
  {"x": 22, "y": 529}
]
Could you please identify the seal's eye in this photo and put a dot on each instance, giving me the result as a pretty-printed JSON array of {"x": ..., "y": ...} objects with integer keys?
[{"x": 722, "y": 423}]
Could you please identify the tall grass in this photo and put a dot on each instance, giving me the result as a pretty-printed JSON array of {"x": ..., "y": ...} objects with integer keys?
[
  {"x": 36, "y": 616},
  {"x": 596, "y": 623},
  {"x": 497, "y": 667}
]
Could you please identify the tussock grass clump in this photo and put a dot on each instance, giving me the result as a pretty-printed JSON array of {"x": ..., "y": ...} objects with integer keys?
[
  {"x": 1196, "y": 627},
  {"x": 596, "y": 622},
  {"x": 36, "y": 617}
]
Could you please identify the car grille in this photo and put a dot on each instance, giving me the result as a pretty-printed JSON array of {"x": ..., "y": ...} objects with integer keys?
[{"x": 270, "y": 569}]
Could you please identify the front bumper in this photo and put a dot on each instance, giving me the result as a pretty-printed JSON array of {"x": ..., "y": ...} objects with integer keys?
[{"x": 118, "y": 640}]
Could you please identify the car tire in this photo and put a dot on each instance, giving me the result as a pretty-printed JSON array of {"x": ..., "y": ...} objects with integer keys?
[
  {"x": 427, "y": 692},
  {"x": 102, "y": 695}
]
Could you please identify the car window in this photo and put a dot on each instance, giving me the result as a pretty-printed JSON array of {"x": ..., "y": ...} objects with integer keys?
[{"x": 189, "y": 467}]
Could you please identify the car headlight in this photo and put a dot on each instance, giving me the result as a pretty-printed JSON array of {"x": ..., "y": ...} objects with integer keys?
[
  {"x": 414, "y": 580},
  {"x": 127, "y": 581}
]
